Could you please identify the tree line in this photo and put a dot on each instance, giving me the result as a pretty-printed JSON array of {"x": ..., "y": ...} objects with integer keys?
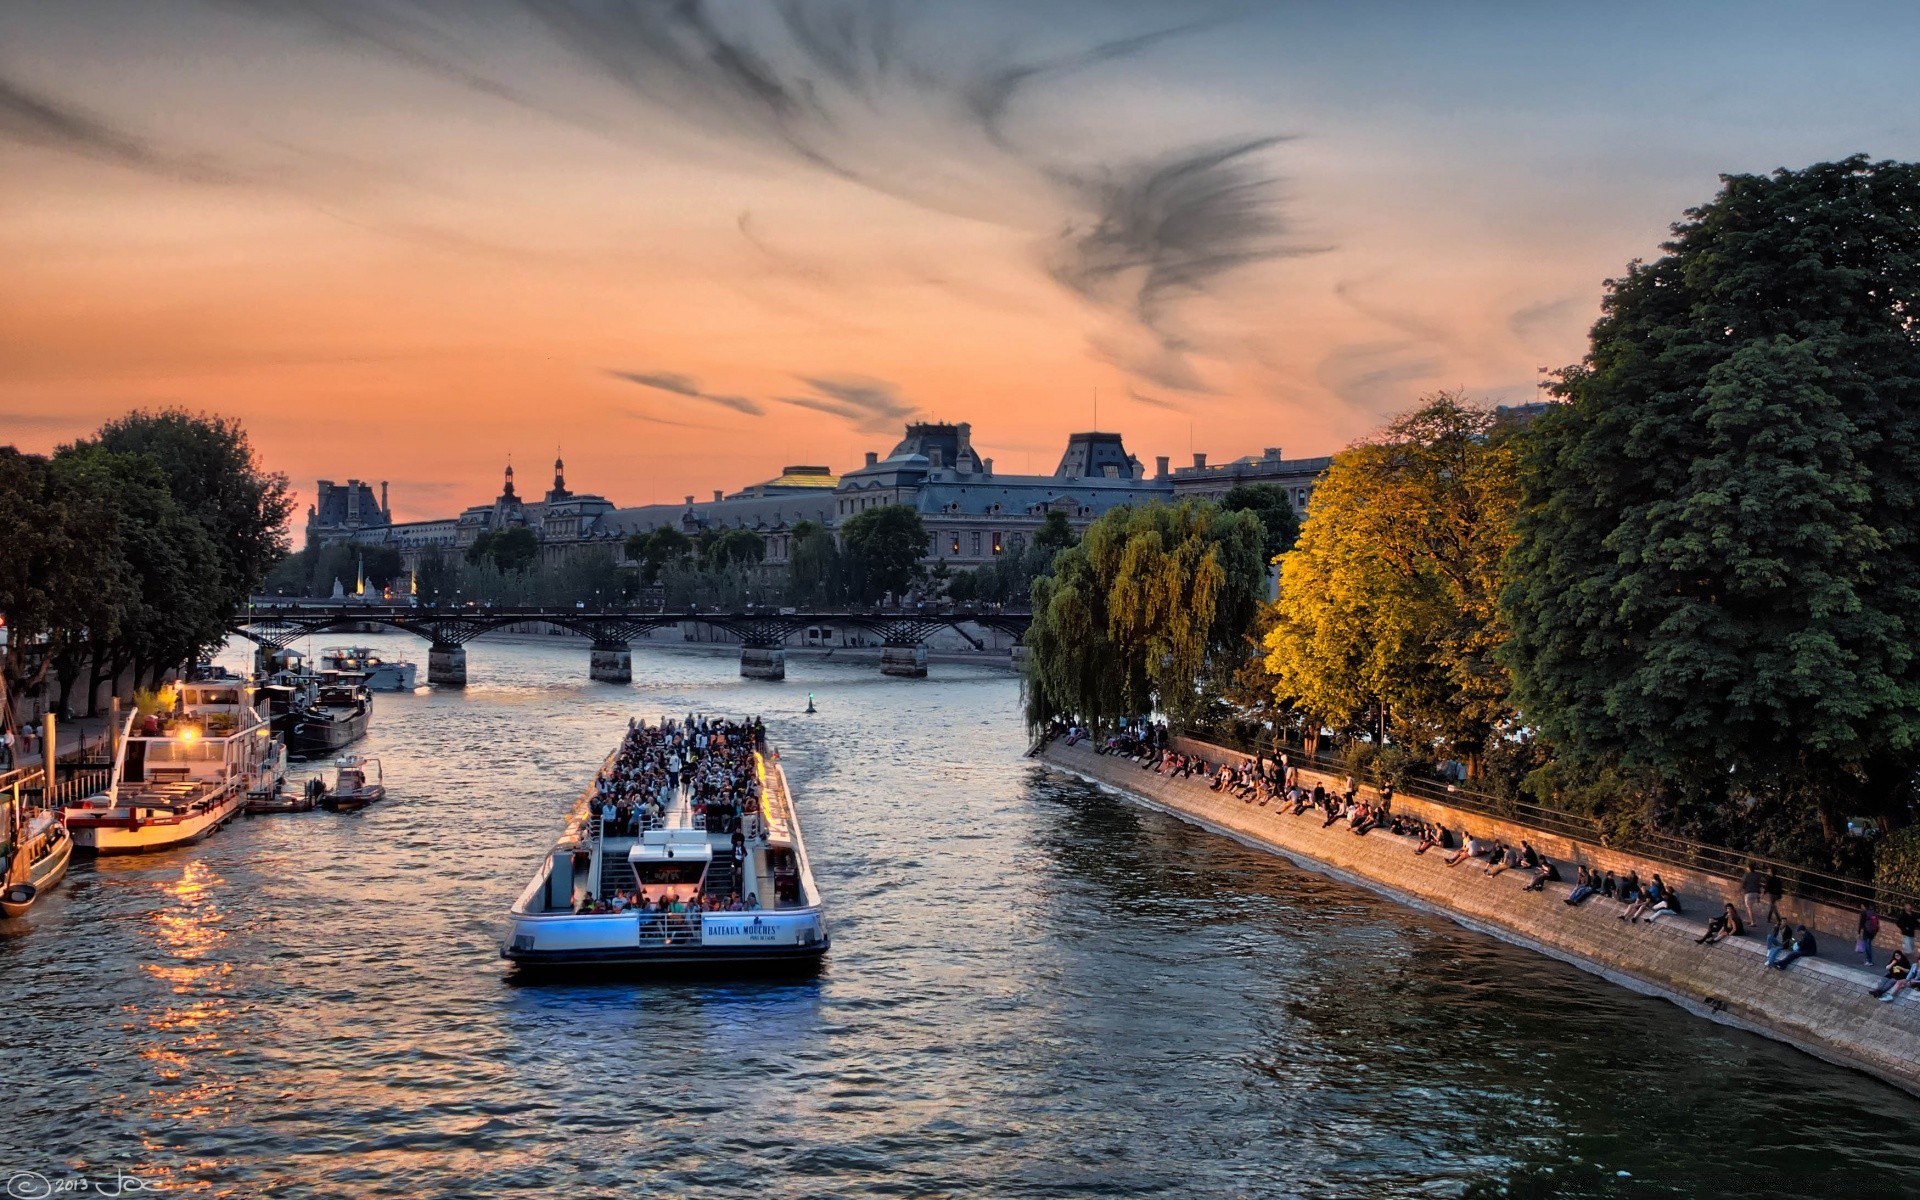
[
  {"x": 125, "y": 554},
  {"x": 1684, "y": 597}
]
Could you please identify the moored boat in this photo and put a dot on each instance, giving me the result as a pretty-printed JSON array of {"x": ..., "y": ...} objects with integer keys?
[
  {"x": 179, "y": 774},
  {"x": 684, "y": 852},
  {"x": 357, "y": 782},
  {"x": 382, "y": 674},
  {"x": 334, "y": 718},
  {"x": 33, "y": 857}
]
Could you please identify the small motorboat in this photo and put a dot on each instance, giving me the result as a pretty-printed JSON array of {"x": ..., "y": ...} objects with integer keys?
[{"x": 356, "y": 783}]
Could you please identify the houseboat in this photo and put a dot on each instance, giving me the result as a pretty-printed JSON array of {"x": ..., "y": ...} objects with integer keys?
[
  {"x": 382, "y": 674},
  {"x": 178, "y": 774},
  {"x": 684, "y": 852}
]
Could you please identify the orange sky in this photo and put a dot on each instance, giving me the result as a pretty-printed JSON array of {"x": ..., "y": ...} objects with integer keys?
[{"x": 404, "y": 241}]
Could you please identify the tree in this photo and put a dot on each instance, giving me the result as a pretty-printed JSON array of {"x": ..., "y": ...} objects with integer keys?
[
  {"x": 1717, "y": 575},
  {"x": 884, "y": 545},
  {"x": 657, "y": 549},
  {"x": 215, "y": 477},
  {"x": 816, "y": 574},
  {"x": 735, "y": 548},
  {"x": 1149, "y": 611},
  {"x": 515, "y": 550},
  {"x": 1388, "y": 601},
  {"x": 1055, "y": 533},
  {"x": 1274, "y": 508}
]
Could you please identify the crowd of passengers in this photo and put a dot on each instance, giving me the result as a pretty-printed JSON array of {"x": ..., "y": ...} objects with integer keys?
[
  {"x": 1268, "y": 781},
  {"x": 634, "y": 902},
  {"x": 712, "y": 759}
]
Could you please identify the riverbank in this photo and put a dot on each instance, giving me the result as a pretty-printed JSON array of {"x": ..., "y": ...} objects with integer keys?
[{"x": 1817, "y": 1005}]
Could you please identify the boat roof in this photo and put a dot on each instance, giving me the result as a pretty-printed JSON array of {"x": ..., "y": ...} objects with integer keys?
[{"x": 674, "y": 851}]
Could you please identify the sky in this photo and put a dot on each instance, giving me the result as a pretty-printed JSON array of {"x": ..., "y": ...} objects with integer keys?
[{"x": 684, "y": 244}]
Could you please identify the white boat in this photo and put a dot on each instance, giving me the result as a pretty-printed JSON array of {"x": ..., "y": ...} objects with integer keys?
[
  {"x": 178, "y": 775},
  {"x": 382, "y": 674},
  {"x": 357, "y": 782},
  {"x": 652, "y": 887}
]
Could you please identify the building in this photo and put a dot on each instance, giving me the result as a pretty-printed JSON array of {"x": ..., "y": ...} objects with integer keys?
[
  {"x": 343, "y": 512},
  {"x": 973, "y": 514}
]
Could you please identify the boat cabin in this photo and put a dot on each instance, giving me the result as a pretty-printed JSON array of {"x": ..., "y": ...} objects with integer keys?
[{"x": 669, "y": 867}]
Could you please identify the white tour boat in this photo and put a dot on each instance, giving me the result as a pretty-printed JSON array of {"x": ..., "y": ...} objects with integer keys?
[
  {"x": 383, "y": 674},
  {"x": 178, "y": 775},
  {"x": 673, "y": 871}
]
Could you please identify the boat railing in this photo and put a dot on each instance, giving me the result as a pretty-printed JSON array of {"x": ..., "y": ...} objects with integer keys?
[{"x": 659, "y": 930}]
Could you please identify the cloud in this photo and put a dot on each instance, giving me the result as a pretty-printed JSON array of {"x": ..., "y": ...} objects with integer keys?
[
  {"x": 36, "y": 119},
  {"x": 1375, "y": 376},
  {"x": 1530, "y": 321},
  {"x": 1140, "y": 397},
  {"x": 870, "y": 405},
  {"x": 685, "y": 385}
]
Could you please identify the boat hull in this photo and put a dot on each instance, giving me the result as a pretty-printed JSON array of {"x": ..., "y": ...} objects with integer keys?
[
  {"x": 353, "y": 802},
  {"x": 117, "y": 835},
  {"x": 310, "y": 737},
  {"x": 392, "y": 677},
  {"x": 665, "y": 960}
]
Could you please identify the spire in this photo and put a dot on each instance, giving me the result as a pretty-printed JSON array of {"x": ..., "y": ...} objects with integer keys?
[{"x": 508, "y": 489}]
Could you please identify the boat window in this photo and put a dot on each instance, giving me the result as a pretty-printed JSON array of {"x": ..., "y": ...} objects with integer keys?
[{"x": 654, "y": 873}]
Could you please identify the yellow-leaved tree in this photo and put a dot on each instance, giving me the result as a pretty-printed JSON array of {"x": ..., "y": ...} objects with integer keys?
[{"x": 1386, "y": 615}]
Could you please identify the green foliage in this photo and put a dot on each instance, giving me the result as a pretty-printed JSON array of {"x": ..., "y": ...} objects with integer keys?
[
  {"x": 816, "y": 570},
  {"x": 1389, "y": 596},
  {"x": 1717, "y": 575},
  {"x": 1147, "y": 612},
  {"x": 658, "y": 549},
  {"x": 1896, "y": 860},
  {"x": 734, "y": 548},
  {"x": 1055, "y": 533},
  {"x": 883, "y": 547},
  {"x": 1274, "y": 508},
  {"x": 515, "y": 549}
]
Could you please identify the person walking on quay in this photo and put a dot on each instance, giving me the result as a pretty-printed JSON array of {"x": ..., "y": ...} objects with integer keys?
[
  {"x": 1750, "y": 885},
  {"x": 1869, "y": 929},
  {"x": 1774, "y": 890},
  {"x": 1907, "y": 922}
]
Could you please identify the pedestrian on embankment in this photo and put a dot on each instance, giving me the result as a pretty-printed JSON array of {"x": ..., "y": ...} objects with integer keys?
[
  {"x": 1774, "y": 890},
  {"x": 1907, "y": 922},
  {"x": 1869, "y": 926},
  {"x": 1750, "y": 890}
]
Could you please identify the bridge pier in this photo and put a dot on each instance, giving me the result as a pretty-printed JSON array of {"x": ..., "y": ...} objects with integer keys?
[
  {"x": 763, "y": 662},
  {"x": 906, "y": 662},
  {"x": 612, "y": 663},
  {"x": 447, "y": 666}
]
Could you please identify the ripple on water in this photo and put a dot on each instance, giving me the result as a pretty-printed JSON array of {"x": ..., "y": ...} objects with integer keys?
[{"x": 1035, "y": 990}]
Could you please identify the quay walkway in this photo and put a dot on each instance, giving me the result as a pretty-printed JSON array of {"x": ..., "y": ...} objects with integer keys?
[{"x": 1820, "y": 1005}]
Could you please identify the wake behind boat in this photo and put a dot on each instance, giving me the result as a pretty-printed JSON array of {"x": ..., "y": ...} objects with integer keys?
[{"x": 684, "y": 852}]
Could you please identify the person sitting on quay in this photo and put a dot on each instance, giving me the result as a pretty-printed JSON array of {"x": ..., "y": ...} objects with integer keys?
[
  {"x": 1724, "y": 926},
  {"x": 1899, "y": 968},
  {"x": 1804, "y": 945},
  {"x": 1503, "y": 858},
  {"x": 1583, "y": 886},
  {"x": 1667, "y": 905},
  {"x": 1655, "y": 892},
  {"x": 1470, "y": 847},
  {"x": 1543, "y": 874},
  {"x": 1629, "y": 892}
]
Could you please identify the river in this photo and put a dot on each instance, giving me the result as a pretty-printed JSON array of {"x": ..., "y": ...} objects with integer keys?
[{"x": 1035, "y": 989}]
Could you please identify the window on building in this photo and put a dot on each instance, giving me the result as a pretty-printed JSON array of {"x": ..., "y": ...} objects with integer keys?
[
  {"x": 956, "y": 544},
  {"x": 996, "y": 541},
  {"x": 976, "y": 543}
]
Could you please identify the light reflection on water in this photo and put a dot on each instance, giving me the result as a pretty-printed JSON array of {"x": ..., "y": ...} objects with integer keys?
[{"x": 1034, "y": 990}]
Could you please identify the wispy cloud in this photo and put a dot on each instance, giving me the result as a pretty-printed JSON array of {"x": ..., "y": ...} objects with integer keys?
[
  {"x": 1140, "y": 397},
  {"x": 686, "y": 385},
  {"x": 36, "y": 119},
  {"x": 870, "y": 405}
]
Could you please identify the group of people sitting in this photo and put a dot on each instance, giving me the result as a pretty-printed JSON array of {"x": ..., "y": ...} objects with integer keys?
[
  {"x": 712, "y": 759},
  {"x": 634, "y": 902}
]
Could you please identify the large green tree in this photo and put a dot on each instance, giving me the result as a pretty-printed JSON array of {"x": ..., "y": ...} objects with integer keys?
[
  {"x": 1148, "y": 612},
  {"x": 1274, "y": 508},
  {"x": 884, "y": 546},
  {"x": 1387, "y": 606},
  {"x": 1717, "y": 576}
]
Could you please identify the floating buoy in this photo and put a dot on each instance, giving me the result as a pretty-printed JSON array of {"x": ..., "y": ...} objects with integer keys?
[{"x": 810, "y": 707}]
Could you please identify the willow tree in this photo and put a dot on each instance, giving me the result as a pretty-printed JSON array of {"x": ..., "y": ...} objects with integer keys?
[
  {"x": 1718, "y": 571},
  {"x": 1147, "y": 613},
  {"x": 1388, "y": 600}
]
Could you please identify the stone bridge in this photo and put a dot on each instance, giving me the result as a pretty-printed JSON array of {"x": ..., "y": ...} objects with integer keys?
[{"x": 763, "y": 632}]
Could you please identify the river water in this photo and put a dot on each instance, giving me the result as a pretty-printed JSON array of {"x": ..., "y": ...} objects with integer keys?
[{"x": 1035, "y": 989}]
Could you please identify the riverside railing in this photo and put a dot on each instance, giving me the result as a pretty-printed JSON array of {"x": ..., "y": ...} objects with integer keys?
[{"x": 1724, "y": 862}]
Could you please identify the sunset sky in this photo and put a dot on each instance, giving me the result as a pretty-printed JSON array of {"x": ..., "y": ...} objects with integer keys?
[{"x": 688, "y": 244}]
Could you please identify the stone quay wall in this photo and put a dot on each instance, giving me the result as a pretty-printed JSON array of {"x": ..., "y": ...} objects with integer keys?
[{"x": 1819, "y": 1005}]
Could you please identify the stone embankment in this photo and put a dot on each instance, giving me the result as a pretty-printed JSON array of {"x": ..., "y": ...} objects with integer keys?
[{"x": 1818, "y": 1005}]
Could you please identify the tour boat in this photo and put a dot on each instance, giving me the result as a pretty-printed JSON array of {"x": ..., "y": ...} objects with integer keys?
[
  {"x": 382, "y": 674},
  {"x": 37, "y": 851},
  {"x": 356, "y": 784},
  {"x": 562, "y": 922},
  {"x": 178, "y": 775}
]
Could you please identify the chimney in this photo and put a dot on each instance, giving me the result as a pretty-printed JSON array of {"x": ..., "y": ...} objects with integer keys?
[
  {"x": 934, "y": 457},
  {"x": 986, "y": 465},
  {"x": 689, "y": 501},
  {"x": 873, "y": 458},
  {"x": 1199, "y": 462},
  {"x": 716, "y": 495},
  {"x": 1160, "y": 466},
  {"x": 1271, "y": 454},
  {"x": 384, "y": 510}
]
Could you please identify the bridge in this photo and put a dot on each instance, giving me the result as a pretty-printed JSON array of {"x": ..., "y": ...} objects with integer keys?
[{"x": 763, "y": 632}]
